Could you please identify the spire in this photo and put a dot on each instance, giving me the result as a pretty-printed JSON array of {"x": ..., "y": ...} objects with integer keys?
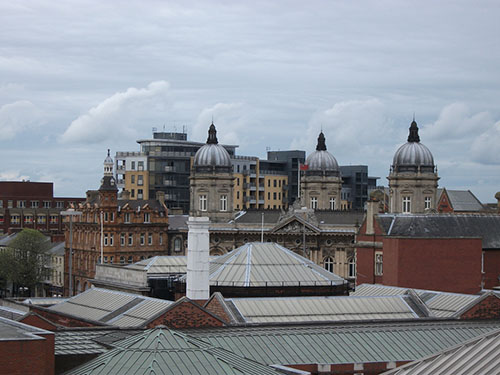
[
  {"x": 321, "y": 143},
  {"x": 212, "y": 135},
  {"x": 413, "y": 137}
]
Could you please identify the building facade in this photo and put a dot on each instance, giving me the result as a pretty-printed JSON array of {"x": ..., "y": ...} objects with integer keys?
[
  {"x": 292, "y": 160},
  {"x": 356, "y": 185},
  {"x": 413, "y": 178},
  {"x": 124, "y": 231},
  {"x": 26, "y": 204}
]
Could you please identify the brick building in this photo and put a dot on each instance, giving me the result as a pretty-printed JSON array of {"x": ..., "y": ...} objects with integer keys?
[
  {"x": 455, "y": 253},
  {"x": 126, "y": 231},
  {"x": 26, "y": 204}
]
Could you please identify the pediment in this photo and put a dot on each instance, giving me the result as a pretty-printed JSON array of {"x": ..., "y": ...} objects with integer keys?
[{"x": 295, "y": 225}]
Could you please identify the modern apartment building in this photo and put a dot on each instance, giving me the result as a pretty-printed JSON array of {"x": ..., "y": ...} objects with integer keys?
[
  {"x": 356, "y": 185},
  {"x": 292, "y": 160}
]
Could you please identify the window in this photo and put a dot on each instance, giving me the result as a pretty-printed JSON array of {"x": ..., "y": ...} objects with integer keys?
[
  {"x": 150, "y": 239},
  {"x": 42, "y": 219},
  {"x": 34, "y": 204},
  {"x": 268, "y": 183},
  {"x": 59, "y": 204},
  {"x": 352, "y": 267},
  {"x": 21, "y": 204},
  {"x": 10, "y": 204},
  {"x": 314, "y": 203},
  {"x": 147, "y": 217},
  {"x": 46, "y": 204},
  {"x": 223, "y": 202},
  {"x": 177, "y": 244},
  {"x": 140, "y": 180},
  {"x": 126, "y": 218},
  {"x": 28, "y": 219},
  {"x": 131, "y": 259},
  {"x": 122, "y": 239},
  {"x": 106, "y": 217},
  {"x": 15, "y": 219},
  {"x": 132, "y": 193},
  {"x": 130, "y": 239},
  {"x": 269, "y": 195},
  {"x": 132, "y": 179},
  {"x": 427, "y": 203},
  {"x": 132, "y": 165},
  {"x": 328, "y": 264},
  {"x": 105, "y": 259},
  {"x": 203, "y": 202},
  {"x": 53, "y": 219},
  {"x": 111, "y": 239},
  {"x": 143, "y": 239},
  {"x": 1, "y": 203},
  {"x": 140, "y": 194},
  {"x": 274, "y": 195},
  {"x": 112, "y": 216},
  {"x": 1, "y": 219},
  {"x": 379, "y": 264},
  {"x": 332, "y": 203},
  {"x": 140, "y": 165},
  {"x": 122, "y": 260},
  {"x": 111, "y": 259},
  {"x": 160, "y": 238},
  {"x": 406, "y": 205},
  {"x": 106, "y": 239}
]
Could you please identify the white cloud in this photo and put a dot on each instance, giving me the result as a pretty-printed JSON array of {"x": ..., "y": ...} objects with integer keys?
[
  {"x": 120, "y": 114},
  {"x": 486, "y": 147},
  {"x": 17, "y": 117},
  {"x": 229, "y": 119},
  {"x": 13, "y": 176}
]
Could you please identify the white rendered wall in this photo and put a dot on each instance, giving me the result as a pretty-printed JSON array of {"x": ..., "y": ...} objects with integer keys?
[{"x": 197, "y": 287}]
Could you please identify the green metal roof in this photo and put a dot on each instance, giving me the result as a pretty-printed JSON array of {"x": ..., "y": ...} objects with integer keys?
[
  {"x": 162, "y": 351},
  {"x": 344, "y": 343}
]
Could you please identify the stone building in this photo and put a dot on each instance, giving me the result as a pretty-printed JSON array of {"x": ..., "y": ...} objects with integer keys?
[
  {"x": 125, "y": 231},
  {"x": 413, "y": 178},
  {"x": 322, "y": 183},
  {"x": 212, "y": 181}
]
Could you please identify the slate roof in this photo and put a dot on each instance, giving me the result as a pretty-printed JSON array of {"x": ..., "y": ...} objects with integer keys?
[
  {"x": 163, "y": 351},
  {"x": 345, "y": 343},
  {"x": 441, "y": 304},
  {"x": 485, "y": 226},
  {"x": 327, "y": 309},
  {"x": 110, "y": 307},
  {"x": 324, "y": 217},
  {"x": 478, "y": 356},
  {"x": 177, "y": 222},
  {"x": 463, "y": 200}
]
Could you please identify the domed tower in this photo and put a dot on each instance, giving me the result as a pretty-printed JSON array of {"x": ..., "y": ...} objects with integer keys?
[
  {"x": 211, "y": 181},
  {"x": 108, "y": 191},
  {"x": 413, "y": 179},
  {"x": 322, "y": 183}
]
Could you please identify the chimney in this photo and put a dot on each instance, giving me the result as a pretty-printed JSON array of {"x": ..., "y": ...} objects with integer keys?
[
  {"x": 125, "y": 195},
  {"x": 372, "y": 208},
  {"x": 160, "y": 197},
  {"x": 197, "y": 287}
]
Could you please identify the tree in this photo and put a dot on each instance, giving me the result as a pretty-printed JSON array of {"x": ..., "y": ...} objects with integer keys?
[{"x": 24, "y": 260}]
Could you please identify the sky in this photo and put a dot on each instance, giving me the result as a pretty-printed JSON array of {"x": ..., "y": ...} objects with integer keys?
[{"x": 79, "y": 77}]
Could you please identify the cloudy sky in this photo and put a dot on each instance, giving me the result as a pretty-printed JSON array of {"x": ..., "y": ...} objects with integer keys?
[{"x": 78, "y": 77}]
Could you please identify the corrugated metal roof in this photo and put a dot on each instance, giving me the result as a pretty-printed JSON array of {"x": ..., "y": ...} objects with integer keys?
[
  {"x": 441, "y": 304},
  {"x": 258, "y": 264},
  {"x": 310, "y": 309},
  {"x": 162, "y": 351},
  {"x": 478, "y": 356},
  {"x": 345, "y": 343},
  {"x": 88, "y": 341},
  {"x": 112, "y": 307}
]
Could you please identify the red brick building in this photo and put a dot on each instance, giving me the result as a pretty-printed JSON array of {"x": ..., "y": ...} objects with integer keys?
[
  {"x": 127, "y": 231},
  {"x": 454, "y": 253},
  {"x": 26, "y": 204}
]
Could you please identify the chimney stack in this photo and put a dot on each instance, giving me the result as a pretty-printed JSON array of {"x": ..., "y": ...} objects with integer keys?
[
  {"x": 372, "y": 208},
  {"x": 197, "y": 287},
  {"x": 160, "y": 197}
]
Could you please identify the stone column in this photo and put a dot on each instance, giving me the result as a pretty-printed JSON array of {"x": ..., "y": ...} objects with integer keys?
[{"x": 197, "y": 287}]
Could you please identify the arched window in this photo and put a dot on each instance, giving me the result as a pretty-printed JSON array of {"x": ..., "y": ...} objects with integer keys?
[
  {"x": 352, "y": 267},
  {"x": 328, "y": 264}
]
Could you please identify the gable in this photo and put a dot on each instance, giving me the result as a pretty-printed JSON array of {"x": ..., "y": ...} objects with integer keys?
[
  {"x": 485, "y": 308},
  {"x": 186, "y": 314},
  {"x": 295, "y": 225}
]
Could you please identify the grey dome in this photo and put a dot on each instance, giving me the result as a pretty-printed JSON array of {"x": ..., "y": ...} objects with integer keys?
[
  {"x": 413, "y": 155},
  {"x": 212, "y": 155},
  {"x": 321, "y": 160}
]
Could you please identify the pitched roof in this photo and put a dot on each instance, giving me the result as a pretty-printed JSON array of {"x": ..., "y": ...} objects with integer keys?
[
  {"x": 478, "y": 356},
  {"x": 88, "y": 341},
  {"x": 11, "y": 330},
  {"x": 338, "y": 343},
  {"x": 314, "y": 309},
  {"x": 441, "y": 304},
  {"x": 485, "y": 226},
  {"x": 463, "y": 200},
  {"x": 163, "y": 351},
  {"x": 112, "y": 307},
  {"x": 268, "y": 264}
]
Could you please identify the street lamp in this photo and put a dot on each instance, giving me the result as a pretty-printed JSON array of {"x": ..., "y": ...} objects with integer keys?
[{"x": 70, "y": 212}]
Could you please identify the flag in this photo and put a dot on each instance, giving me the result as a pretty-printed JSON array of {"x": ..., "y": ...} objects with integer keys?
[{"x": 304, "y": 167}]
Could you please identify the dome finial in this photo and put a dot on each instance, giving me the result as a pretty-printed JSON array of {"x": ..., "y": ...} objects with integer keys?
[
  {"x": 321, "y": 143},
  {"x": 212, "y": 135},
  {"x": 413, "y": 136},
  {"x": 108, "y": 152}
]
